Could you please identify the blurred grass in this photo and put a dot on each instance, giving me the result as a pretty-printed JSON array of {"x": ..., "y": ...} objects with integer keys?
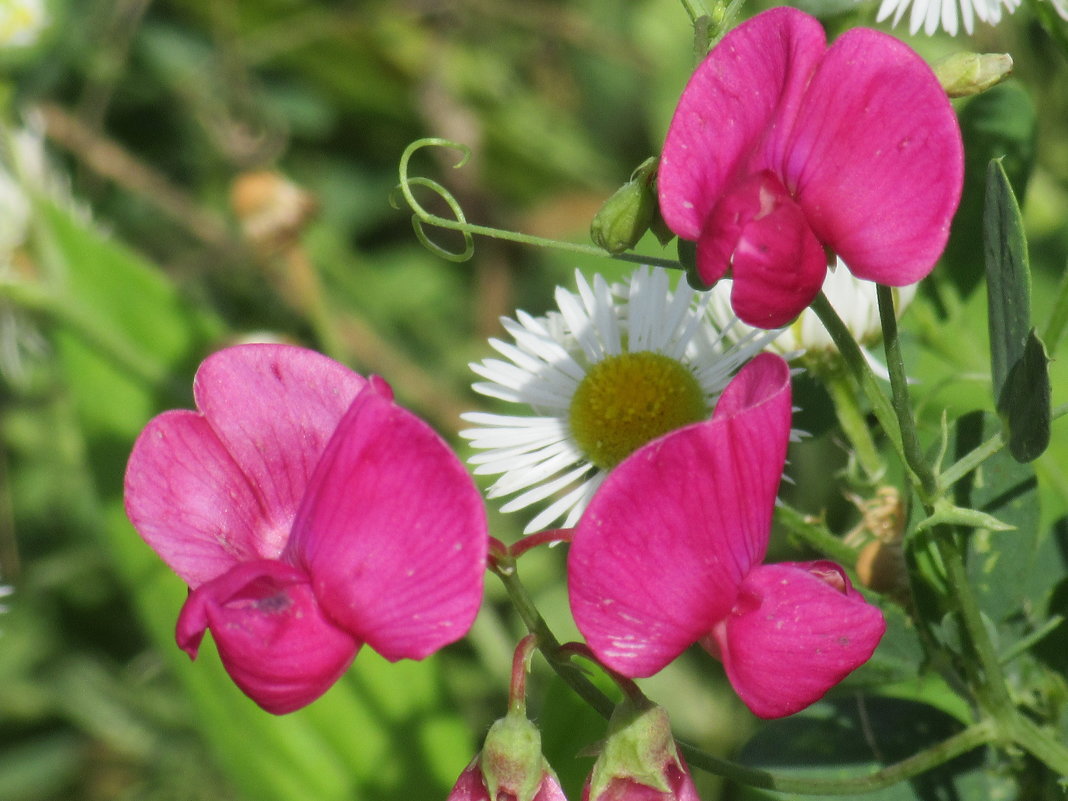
[{"x": 152, "y": 111}]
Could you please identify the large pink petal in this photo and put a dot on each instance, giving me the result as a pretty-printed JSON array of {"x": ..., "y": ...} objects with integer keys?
[
  {"x": 274, "y": 408},
  {"x": 393, "y": 533},
  {"x": 795, "y": 632},
  {"x": 876, "y": 159},
  {"x": 272, "y": 637},
  {"x": 734, "y": 114},
  {"x": 659, "y": 553},
  {"x": 189, "y": 500}
]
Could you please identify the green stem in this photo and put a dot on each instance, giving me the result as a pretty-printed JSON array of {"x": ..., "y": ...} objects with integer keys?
[
  {"x": 695, "y": 9},
  {"x": 421, "y": 217},
  {"x": 1043, "y": 746},
  {"x": 989, "y": 680},
  {"x": 816, "y": 537},
  {"x": 505, "y": 568},
  {"x": 895, "y": 365},
  {"x": 859, "y": 369},
  {"x": 1058, "y": 318},
  {"x": 854, "y": 426},
  {"x": 972, "y": 737}
]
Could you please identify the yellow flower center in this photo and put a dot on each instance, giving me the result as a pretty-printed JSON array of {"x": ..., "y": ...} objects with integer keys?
[{"x": 628, "y": 400}]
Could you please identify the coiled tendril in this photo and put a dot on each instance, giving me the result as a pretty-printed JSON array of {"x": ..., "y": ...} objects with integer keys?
[{"x": 422, "y": 217}]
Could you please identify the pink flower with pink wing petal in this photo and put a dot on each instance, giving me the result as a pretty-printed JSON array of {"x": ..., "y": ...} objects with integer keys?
[
  {"x": 669, "y": 554},
  {"x": 309, "y": 515},
  {"x": 782, "y": 149}
]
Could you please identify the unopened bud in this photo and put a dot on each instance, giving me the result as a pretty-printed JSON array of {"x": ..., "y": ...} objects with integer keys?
[
  {"x": 512, "y": 763},
  {"x": 639, "y": 759},
  {"x": 272, "y": 209},
  {"x": 966, "y": 74},
  {"x": 627, "y": 214}
]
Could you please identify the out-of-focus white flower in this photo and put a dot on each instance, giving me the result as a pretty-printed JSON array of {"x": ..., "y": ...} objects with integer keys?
[
  {"x": 853, "y": 299},
  {"x": 930, "y": 15},
  {"x": 22, "y": 22}
]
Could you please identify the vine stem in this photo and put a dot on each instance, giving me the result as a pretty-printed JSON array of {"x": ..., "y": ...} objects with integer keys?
[
  {"x": 503, "y": 565},
  {"x": 854, "y": 426},
  {"x": 860, "y": 370},
  {"x": 421, "y": 217},
  {"x": 899, "y": 388}
]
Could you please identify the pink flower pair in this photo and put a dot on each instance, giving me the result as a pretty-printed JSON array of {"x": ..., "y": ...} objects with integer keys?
[
  {"x": 784, "y": 151},
  {"x": 670, "y": 550},
  {"x": 309, "y": 515}
]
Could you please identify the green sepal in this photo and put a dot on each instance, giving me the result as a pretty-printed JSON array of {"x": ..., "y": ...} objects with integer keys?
[
  {"x": 639, "y": 747},
  {"x": 627, "y": 214},
  {"x": 511, "y": 761}
]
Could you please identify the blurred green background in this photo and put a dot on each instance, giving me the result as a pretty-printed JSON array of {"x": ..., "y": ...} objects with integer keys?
[{"x": 221, "y": 171}]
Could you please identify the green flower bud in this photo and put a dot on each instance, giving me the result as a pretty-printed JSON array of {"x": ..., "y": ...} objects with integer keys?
[
  {"x": 627, "y": 214},
  {"x": 511, "y": 761},
  {"x": 966, "y": 74},
  {"x": 639, "y": 749}
]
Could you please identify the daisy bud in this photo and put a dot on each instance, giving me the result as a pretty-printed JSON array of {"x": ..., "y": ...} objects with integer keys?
[
  {"x": 510, "y": 768},
  {"x": 639, "y": 755},
  {"x": 627, "y": 214},
  {"x": 967, "y": 74}
]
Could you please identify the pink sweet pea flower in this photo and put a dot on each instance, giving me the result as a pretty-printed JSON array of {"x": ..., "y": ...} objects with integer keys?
[
  {"x": 669, "y": 554},
  {"x": 782, "y": 149},
  {"x": 309, "y": 515}
]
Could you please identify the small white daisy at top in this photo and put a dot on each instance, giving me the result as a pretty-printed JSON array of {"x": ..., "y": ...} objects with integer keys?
[
  {"x": 930, "y": 15},
  {"x": 612, "y": 369}
]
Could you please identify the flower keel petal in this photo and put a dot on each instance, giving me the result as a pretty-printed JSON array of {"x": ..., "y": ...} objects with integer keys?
[
  {"x": 796, "y": 630},
  {"x": 271, "y": 635}
]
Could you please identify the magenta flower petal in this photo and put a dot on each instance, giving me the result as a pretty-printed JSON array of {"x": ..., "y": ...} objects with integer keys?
[
  {"x": 393, "y": 532},
  {"x": 658, "y": 556},
  {"x": 796, "y": 630},
  {"x": 274, "y": 407},
  {"x": 733, "y": 116},
  {"x": 860, "y": 136},
  {"x": 189, "y": 500},
  {"x": 876, "y": 158},
  {"x": 271, "y": 634},
  {"x": 762, "y": 235}
]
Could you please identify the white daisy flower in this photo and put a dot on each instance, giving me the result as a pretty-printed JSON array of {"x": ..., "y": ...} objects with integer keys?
[
  {"x": 22, "y": 22},
  {"x": 928, "y": 14},
  {"x": 614, "y": 368},
  {"x": 854, "y": 300}
]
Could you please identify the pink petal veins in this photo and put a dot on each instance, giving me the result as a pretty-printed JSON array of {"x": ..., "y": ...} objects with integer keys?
[
  {"x": 271, "y": 635},
  {"x": 189, "y": 500},
  {"x": 875, "y": 158},
  {"x": 657, "y": 557},
  {"x": 735, "y": 113},
  {"x": 796, "y": 630},
  {"x": 393, "y": 533},
  {"x": 274, "y": 407}
]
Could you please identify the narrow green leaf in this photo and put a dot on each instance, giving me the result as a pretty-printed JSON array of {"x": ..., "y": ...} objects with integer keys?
[
  {"x": 1007, "y": 273},
  {"x": 1018, "y": 361},
  {"x": 1026, "y": 402}
]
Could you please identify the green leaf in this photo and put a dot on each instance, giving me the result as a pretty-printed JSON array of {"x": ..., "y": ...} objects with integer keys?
[
  {"x": 1017, "y": 358},
  {"x": 999, "y": 123},
  {"x": 1025, "y": 402},
  {"x": 1001, "y": 565}
]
